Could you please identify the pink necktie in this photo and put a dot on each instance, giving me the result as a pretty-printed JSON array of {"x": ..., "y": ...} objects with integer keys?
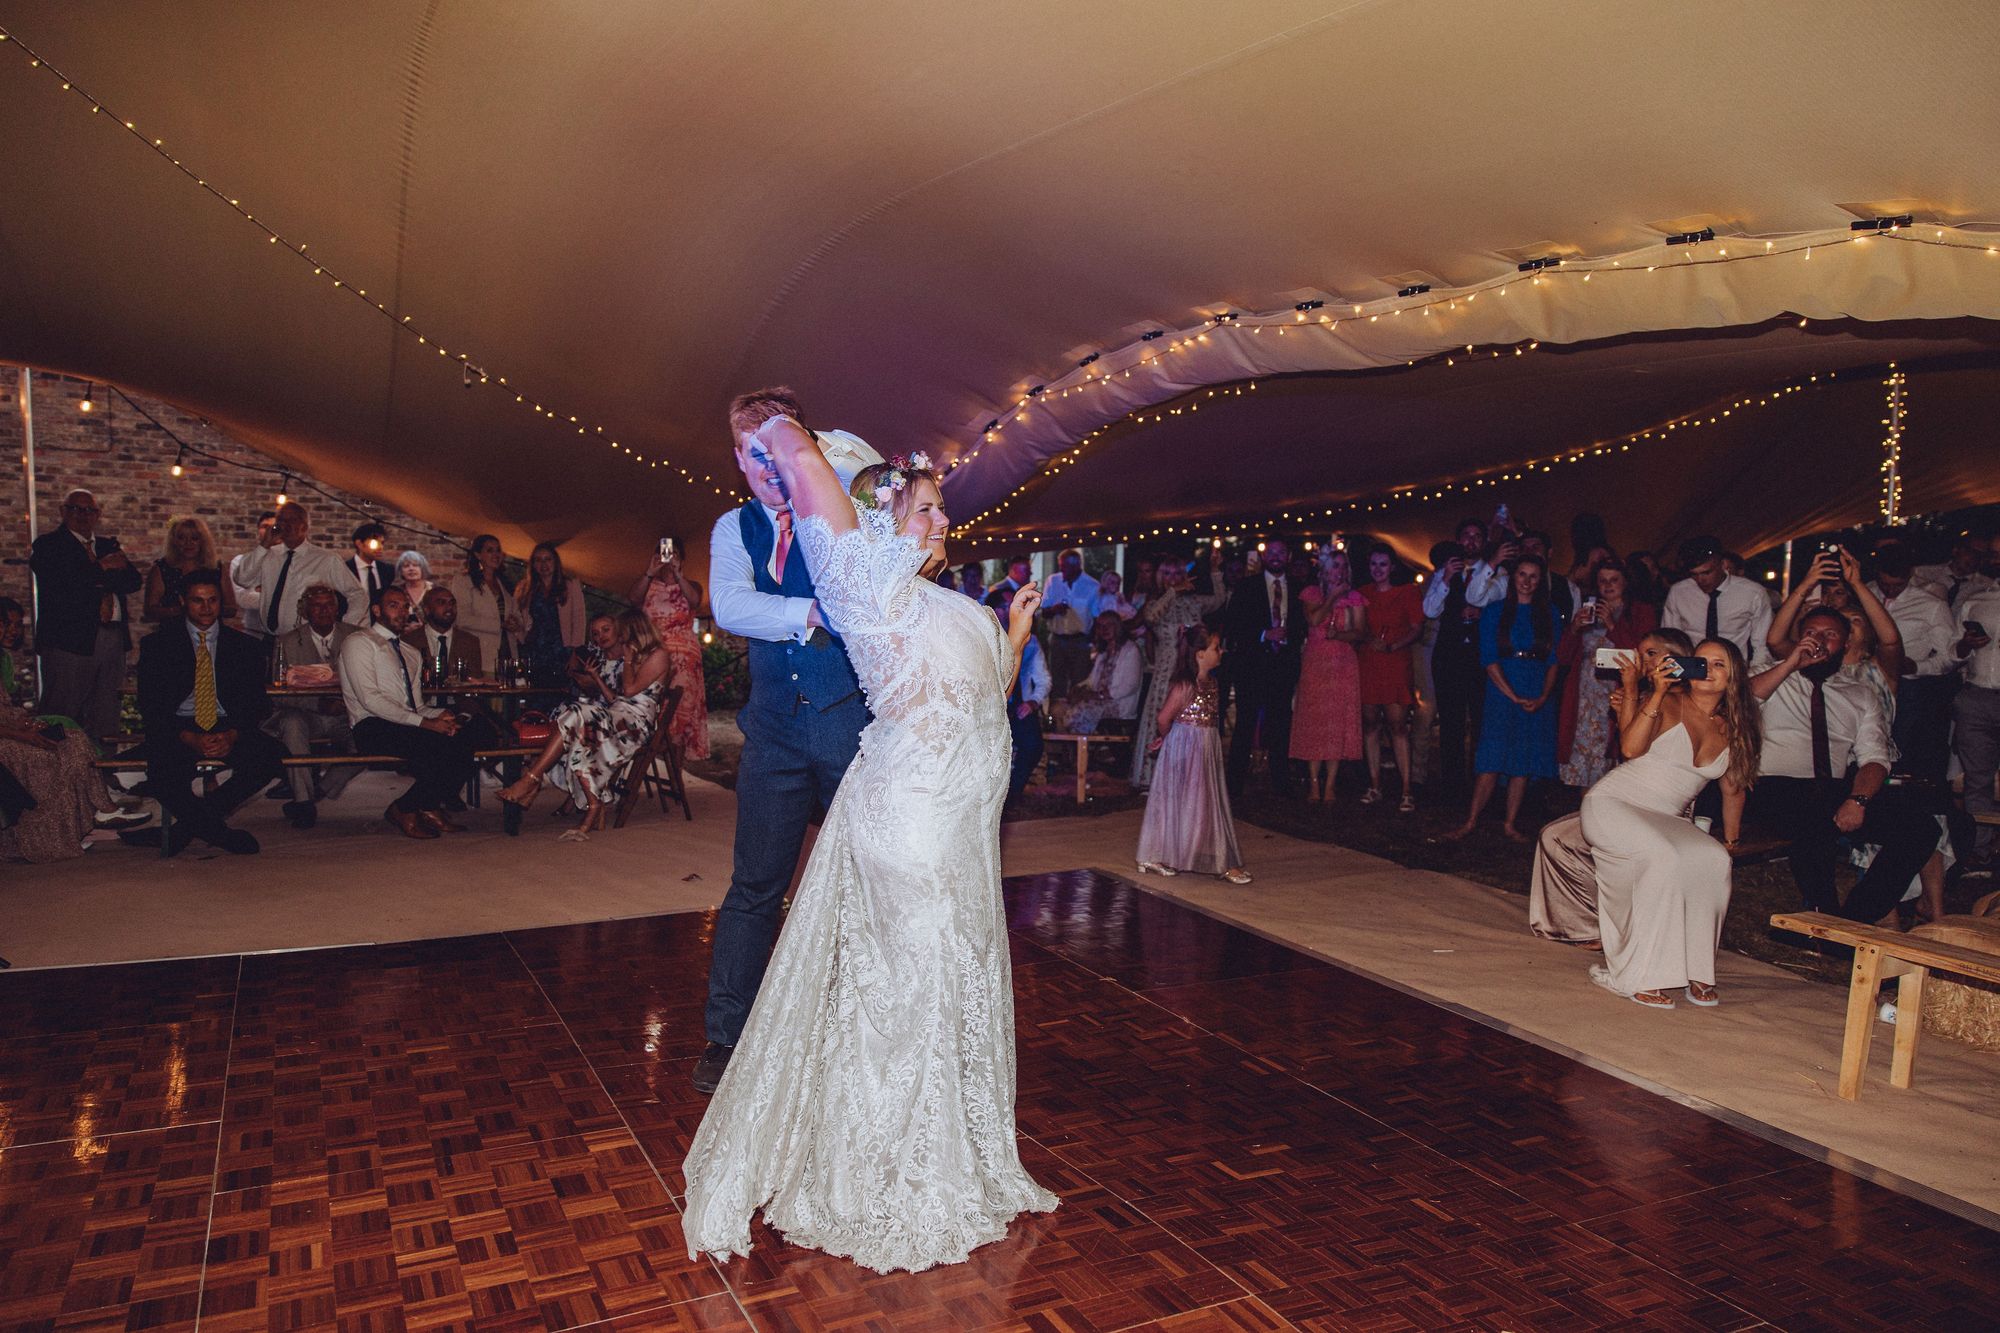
[{"x": 784, "y": 541}]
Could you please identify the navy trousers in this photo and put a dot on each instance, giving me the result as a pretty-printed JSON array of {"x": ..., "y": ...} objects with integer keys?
[{"x": 793, "y": 761}]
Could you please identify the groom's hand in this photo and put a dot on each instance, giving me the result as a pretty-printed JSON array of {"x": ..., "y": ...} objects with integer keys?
[{"x": 813, "y": 618}]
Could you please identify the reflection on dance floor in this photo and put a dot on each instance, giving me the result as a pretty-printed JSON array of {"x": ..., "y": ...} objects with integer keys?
[{"x": 487, "y": 1132}]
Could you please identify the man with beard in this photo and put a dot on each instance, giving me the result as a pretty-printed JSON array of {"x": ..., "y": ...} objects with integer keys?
[{"x": 1825, "y": 758}]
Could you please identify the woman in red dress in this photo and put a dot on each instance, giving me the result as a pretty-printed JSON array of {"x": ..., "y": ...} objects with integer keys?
[
  {"x": 1326, "y": 718},
  {"x": 668, "y": 597},
  {"x": 1395, "y": 622}
]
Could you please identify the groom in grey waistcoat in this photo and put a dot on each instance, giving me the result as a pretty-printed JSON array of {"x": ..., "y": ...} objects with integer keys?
[{"x": 801, "y": 726}]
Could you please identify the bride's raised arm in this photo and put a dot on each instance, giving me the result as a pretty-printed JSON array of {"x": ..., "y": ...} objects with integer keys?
[{"x": 809, "y": 480}]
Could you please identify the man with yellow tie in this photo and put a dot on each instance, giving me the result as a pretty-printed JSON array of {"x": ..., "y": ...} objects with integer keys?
[{"x": 201, "y": 697}]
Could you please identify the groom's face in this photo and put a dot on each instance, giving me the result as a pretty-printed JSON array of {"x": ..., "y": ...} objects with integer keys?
[{"x": 758, "y": 469}]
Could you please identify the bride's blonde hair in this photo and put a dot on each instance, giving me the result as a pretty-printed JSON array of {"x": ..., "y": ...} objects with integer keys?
[{"x": 876, "y": 477}]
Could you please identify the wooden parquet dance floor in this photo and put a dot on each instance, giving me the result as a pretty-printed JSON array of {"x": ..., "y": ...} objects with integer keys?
[{"x": 486, "y": 1133}]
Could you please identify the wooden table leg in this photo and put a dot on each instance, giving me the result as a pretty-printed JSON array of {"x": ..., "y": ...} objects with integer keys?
[
  {"x": 1860, "y": 1019},
  {"x": 1082, "y": 771},
  {"x": 1909, "y": 1026}
]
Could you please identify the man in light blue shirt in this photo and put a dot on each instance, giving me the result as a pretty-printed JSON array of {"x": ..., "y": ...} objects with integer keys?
[{"x": 1071, "y": 607}]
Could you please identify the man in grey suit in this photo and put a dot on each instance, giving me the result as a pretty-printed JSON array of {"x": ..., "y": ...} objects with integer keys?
[{"x": 314, "y": 641}]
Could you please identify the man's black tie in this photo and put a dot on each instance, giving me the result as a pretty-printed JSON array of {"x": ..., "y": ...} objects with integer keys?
[
  {"x": 1951, "y": 596},
  {"x": 409, "y": 691},
  {"x": 277, "y": 607},
  {"x": 1714, "y": 628},
  {"x": 1821, "y": 746}
]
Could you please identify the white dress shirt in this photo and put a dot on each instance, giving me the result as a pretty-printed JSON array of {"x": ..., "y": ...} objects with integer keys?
[
  {"x": 1484, "y": 585},
  {"x": 310, "y": 564},
  {"x": 1940, "y": 578},
  {"x": 1983, "y": 667},
  {"x": 1925, "y": 623},
  {"x": 249, "y": 597},
  {"x": 1079, "y": 599},
  {"x": 1742, "y": 614},
  {"x": 90, "y": 549},
  {"x": 1034, "y": 674},
  {"x": 732, "y": 586},
  {"x": 1856, "y": 731},
  {"x": 1122, "y": 680},
  {"x": 371, "y": 683}
]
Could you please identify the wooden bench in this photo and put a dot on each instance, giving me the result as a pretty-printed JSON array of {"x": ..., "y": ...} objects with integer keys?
[
  {"x": 1083, "y": 744},
  {"x": 1879, "y": 954},
  {"x": 208, "y": 768}
]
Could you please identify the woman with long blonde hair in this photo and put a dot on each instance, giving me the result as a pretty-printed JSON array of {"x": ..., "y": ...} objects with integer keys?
[
  {"x": 186, "y": 545},
  {"x": 1662, "y": 883}
]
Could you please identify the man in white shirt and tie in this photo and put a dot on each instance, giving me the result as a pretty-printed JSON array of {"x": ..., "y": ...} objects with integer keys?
[
  {"x": 1712, "y": 603},
  {"x": 1962, "y": 575},
  {"x": 1976, "y": 711},
  {"x": 381, "y": 681},
  {"x": 1923, "y": 696},
  {"x": 1826, "y": 755},
  {"x": 315, "y": 641},
  {"x": 285, "y": 563},
  {"x": 1070, "y": 604},
  {"x": 370, "y": 570}
]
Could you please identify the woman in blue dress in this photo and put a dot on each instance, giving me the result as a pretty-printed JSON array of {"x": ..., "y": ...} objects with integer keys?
[{"x": 1517, "y": 738}]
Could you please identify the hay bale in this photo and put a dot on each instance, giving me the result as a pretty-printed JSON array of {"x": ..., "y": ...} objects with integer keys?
[{"x": 1959, "y": 1007}]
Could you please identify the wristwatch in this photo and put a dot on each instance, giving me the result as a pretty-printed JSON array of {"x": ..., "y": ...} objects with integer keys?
[{"x": 1861, "y": 801}]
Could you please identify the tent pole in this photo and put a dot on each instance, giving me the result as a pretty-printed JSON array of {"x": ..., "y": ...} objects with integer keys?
[
  {"x": 1788, "y": 567},
  {"x": 27, "y": 395}
]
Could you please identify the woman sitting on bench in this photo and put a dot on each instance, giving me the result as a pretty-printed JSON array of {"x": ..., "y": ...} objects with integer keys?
[{"x": 595, "y": 738}]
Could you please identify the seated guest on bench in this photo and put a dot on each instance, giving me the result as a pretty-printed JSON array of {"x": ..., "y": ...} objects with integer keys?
[
  {"x": 435, "y": 634},
  {"x": 595, "y": 739},
  {"x": 381, "y": 680},
  {"x": 297, "y": 723},
  {"x": 201, "y": 697},
  {"x": 1826, "y": 756}
]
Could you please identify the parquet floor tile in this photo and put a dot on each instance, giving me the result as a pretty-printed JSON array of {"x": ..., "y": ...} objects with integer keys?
[{"x": 487, "y": 1133}]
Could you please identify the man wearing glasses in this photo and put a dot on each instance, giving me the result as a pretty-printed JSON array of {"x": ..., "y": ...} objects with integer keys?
[{"x": 81, "y": 626}]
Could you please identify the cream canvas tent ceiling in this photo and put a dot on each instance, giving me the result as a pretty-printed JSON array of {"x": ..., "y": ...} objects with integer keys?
[{"x": 917, "y": 213}]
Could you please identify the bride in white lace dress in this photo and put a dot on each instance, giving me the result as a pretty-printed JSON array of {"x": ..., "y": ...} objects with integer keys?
[{"x": 868, "y": 1110}]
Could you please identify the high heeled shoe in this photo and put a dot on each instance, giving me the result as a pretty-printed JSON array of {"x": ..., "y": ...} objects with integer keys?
[{"x": 534, "y": 785}]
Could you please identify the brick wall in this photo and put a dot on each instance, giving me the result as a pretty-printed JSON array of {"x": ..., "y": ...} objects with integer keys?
[{"x": 124, "y": 459}]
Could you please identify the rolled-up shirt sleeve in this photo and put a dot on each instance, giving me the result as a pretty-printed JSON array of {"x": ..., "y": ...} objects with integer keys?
[
  {"x": 1871, "y": 737},
  {"x": 732, "y": 591}
]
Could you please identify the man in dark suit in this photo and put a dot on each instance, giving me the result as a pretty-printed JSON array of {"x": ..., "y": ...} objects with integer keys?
[
  {"x": 1265, "y": 627},
  {"x": 201, "y": 695},
  {"x": 370, "y": 570},
  {"x": 81, "y": 626}
]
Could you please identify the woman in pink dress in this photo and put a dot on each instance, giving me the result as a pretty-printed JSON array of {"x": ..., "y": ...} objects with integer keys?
[
  {"x": 1326, "y": 718},
  {"x": 1395, "y": 621},
  {"x": 668, "y": 597}
]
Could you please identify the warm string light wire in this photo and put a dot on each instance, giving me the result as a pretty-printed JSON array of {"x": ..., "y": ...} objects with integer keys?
[
  {"x": 1892, "y": 446},
  {"x": 1466, "y": 484},
  {"x": 473, "y": 370},
  {"x": 1100, "y": 369}
]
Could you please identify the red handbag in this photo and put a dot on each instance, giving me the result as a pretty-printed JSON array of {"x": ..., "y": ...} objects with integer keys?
[{"x": 533, "y": 728}]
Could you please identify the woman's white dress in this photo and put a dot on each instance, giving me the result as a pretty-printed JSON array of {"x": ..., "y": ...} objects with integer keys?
[
  {"x": 1662, "y": 884},
  {"x": 868, "y": 1110}
]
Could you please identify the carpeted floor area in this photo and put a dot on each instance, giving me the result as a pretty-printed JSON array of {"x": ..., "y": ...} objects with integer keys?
[{"x": 486, "y": 1131}]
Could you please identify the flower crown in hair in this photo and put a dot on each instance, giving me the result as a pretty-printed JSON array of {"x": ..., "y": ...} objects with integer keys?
[{"x": 897, "y": 478}]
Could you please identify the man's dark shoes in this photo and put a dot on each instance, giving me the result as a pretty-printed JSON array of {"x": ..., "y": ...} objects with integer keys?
[
  {"x": 412, "y": 825},
  {"x": 237, "y": 842},
  {"x": 708, "y": 1069},
  {"x": 303, "y": 814}
]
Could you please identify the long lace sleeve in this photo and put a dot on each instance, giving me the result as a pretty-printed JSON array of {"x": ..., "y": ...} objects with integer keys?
[{"x": 859, "y": 576}]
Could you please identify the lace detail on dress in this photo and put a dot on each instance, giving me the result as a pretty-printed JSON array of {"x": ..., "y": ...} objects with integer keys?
[{"x": 869, "y": 1108}]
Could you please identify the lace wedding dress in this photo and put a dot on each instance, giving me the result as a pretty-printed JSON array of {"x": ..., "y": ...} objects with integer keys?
[{"x": 869, "y": 1107}]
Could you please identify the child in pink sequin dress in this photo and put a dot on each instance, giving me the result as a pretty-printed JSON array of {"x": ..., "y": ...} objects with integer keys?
[{"x": 1188, "y": 825}]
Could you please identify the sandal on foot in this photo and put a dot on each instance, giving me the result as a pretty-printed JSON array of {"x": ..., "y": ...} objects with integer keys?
[
  {"x": 1407, "y": 806},
  {"x": 534, "y": 786},
  {"x": 1237, "y": 876},
  {"x": 1600, "y": 975},
  {"x": 1371, "y": 796},
  {"x": 1155, "y": 868},
  {"x": 573, "y": 835},
  {"x": 1703, "y": 996}
]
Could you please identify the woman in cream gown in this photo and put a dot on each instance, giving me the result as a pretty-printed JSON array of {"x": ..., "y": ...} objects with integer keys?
[{"x": 869, "y": 1108}]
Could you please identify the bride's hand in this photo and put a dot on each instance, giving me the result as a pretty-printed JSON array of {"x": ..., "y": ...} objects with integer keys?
[{"x": 1021, "y": 615}]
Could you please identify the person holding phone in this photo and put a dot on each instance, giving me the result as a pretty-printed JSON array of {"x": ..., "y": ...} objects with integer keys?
[
  {"x": 1976, "y": 710},
  {"x": 1586, "y": 740},
  {"x": 671, "y": 600}
]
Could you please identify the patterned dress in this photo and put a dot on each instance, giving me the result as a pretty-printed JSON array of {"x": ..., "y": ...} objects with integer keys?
[
  {"x": 1166, "y": 615},
  {"x": 1326, "y": 719},
  {"x": 600, "y": 738},
  {"x": 1590, "y": 753},
  {"x": 673, "y": 620},
  {"x": 1188, "y": 824},
  {"x": 67, "y": 791}
]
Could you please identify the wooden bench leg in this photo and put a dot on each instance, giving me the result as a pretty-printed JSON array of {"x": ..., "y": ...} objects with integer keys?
[
  {"x": 1860, "y": 1019},
  {"x": 1909, "y": 1026}
]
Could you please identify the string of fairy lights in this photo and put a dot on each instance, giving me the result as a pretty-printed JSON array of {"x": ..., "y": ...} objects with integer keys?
[
  {"x": 474, "y": 371},
  {"x": 1158, "y": 349},
  {"x": 1897, "y": 407},
  {"x": 1464, "y": 484}
]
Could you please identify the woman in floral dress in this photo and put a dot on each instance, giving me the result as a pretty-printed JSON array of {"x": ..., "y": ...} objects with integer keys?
[
  {"x": 59, "y": 773},
  {"x": 1326, "y": 719},
  {"x": 669, "y": 598},
  {"x": 1167, "y": 612},
  {"x": 595, "y": 739}
]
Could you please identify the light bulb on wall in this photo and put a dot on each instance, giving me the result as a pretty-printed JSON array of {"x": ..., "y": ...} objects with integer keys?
[
  {"x": 178, "y": 469},
  {"x": 89, "y": 402},
  {"x": 284, "y": 498}
]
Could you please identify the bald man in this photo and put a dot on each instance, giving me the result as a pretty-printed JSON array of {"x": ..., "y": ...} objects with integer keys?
[
  {"x": 285, "y": 564},
  {"x": 82, "y": 629}
]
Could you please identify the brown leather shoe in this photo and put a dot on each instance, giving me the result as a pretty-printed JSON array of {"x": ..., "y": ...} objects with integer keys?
[
  {"x": 437, "y": 820},
  {"x": 413, "y": 826}
]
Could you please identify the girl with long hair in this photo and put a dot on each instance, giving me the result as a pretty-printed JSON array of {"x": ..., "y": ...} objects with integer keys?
[
  {"x": 671, "y": 600},
  {"x": 1395, "y": 623},
  {"x": 1662, "y": 883},
  {"x": 1188, "y": 823},
  {"x": 1517, "y": 734},
  {"x": 551, "y": 600},
  {"x": 486, "y": 608}
]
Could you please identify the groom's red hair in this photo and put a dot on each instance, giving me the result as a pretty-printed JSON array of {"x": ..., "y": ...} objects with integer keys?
[{"x": 748, "y": 411}]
